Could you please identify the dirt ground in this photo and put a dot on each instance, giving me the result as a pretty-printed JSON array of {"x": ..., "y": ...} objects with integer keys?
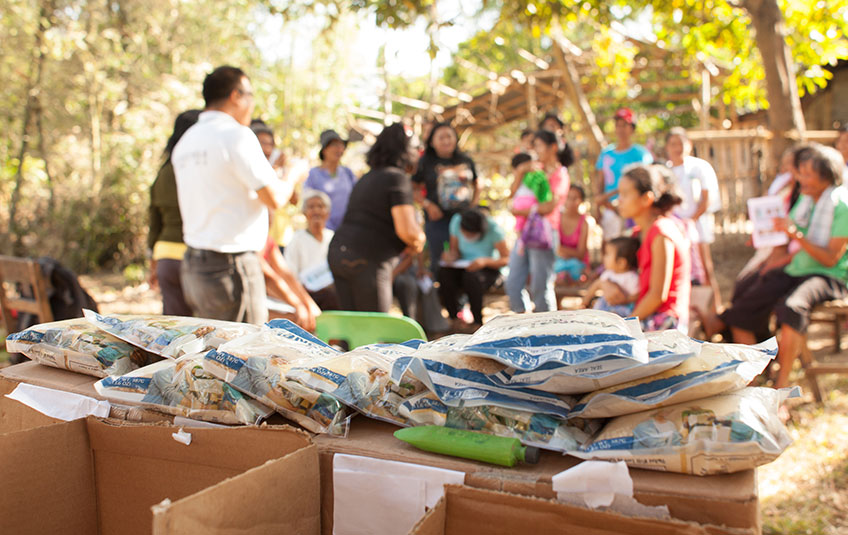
[{"x": 805, "y": 491}]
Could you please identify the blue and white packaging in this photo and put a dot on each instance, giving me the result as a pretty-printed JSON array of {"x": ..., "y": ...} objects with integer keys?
[
  {"x": 532, "y": 429},
  {"x": 727, "y": 433},
  {"x": 169, "y": 336},
  {"x": 666, "y": 349},
  {"x": 256, "y": 364},
  {"x": 457, "y": 386},
  {"x": 579, "y": 337},
  {"x": 716, "y": 369},
  {"x": 361, "y": 379}
]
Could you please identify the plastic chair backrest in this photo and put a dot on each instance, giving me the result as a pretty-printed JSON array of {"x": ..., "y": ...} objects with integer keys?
[{"x": 363, "y": 328}]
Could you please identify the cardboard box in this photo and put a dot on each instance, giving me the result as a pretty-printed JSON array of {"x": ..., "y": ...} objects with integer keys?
[
  {"x": 103, "y": 476},
  {"x": 466, "y": 510},
  {"x": 15, "y": 416},
  {"x": 723, "y": 500}
]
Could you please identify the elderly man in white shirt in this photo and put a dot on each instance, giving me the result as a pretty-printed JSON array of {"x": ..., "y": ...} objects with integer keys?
[{"x": 225, "y": 187}]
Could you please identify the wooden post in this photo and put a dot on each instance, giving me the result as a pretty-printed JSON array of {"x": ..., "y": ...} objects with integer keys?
[
  {"x": 532, "y": 109},
  {"x": 705, "y": 99},
  {"x": 574, "y": 89}
]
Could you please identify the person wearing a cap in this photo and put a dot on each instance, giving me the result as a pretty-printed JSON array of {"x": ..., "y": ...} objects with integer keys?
[
  {"x": 611, "y": 164},
  {"x": 225, "y": 188},
  {"x": 332, "y": 177}
]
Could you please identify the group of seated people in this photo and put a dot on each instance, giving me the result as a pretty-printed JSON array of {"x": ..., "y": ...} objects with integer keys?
[{"x": 363, "y": 244}]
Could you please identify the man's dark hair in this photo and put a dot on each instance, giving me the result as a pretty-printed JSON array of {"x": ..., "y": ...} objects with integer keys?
[
  {"x": 391, "y": 149},
  {"x": 474, "y": 221},
  {"x": 220, "y": 84},
  {"x": 626, "y": 248},
  {"x": 520, "y": 158}
]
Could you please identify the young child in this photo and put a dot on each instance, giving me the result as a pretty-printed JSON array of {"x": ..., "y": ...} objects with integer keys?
[
  {"x": 530, "y": 186},
  {"x": 573, "y": 252},
  {"x": 620, "y": 269}
]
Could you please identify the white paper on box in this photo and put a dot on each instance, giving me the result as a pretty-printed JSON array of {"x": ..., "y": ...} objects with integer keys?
[
  {"x": 597, "y": 481},
  {"x": 58, "y": 404},
  {"x": 762, "y": 211},
  {"x": 378, "y": 496}
]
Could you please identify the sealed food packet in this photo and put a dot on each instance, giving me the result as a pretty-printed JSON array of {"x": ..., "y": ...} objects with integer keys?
[
  {"x": 666, "y": 349},
  {"x": 465, "y": 381},
  {"x": 720, "y": 434},
  {"x": 256, "y": 364},
  {"x": 362, "y": 380},
  {"x": 531, "y": 428},
  {"x": 718, "y": 368},
  {"x": 578, "y": 337},
  {"x": 169, "y": 336},
  {"x": 183, "y": 388},
  {"x": 78, "y": 346}
]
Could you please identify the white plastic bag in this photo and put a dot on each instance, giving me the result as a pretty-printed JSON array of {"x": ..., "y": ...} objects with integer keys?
[
  {"x": 181, "y": 387},
  {"x": 717, "y": 368},
  {"x": 721, "y": 434},
  {"x": 78, "y": 346}
]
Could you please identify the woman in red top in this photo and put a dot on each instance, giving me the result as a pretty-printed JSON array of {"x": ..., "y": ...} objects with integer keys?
[{"x": 664, "y": 261}]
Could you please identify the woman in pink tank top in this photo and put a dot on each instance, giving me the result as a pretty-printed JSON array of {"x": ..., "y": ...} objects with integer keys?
[
  {"x": 573, "y": 252},
  {"x": 647, "y": 197}
]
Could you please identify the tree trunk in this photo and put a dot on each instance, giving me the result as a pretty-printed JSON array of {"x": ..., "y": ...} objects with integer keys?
[
  {"x": 785, "y": 115},
  {"x": 31, "y": 108}
]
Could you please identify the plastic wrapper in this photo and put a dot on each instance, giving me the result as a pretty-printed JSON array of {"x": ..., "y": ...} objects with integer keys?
[
  {"x": 666, "y": 349},
  {"x": 465, "y": 381},
  {"x": 720, "y": 434},
  {"x": 78, "y": 346},
  {"x": 361, "y": 379},
  {"x": 169, "y": 336},
  {"x": 528, "y": 341},
  {"x": 183, "y": 388},
  {"x": 718, "y": 368},
  {"x": 257, "y": 364},
  {"x": 531, "y": 428}
]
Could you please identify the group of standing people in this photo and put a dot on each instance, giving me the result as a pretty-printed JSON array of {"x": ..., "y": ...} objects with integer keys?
[{"x": 222, "y": 178}]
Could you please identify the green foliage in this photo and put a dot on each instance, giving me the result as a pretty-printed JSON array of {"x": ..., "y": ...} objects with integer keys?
[{"x": 114, "y": 77}]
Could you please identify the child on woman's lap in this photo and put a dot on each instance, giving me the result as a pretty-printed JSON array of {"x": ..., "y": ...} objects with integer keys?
[{"x": 620, "y": 269}]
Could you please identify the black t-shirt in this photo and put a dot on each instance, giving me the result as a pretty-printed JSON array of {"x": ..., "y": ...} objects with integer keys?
[
  {"x": 368, "y": 227},
  {"x": 428, "y": 175}
]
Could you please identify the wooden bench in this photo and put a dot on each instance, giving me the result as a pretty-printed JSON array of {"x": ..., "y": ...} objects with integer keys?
[
  {"x": 23, "y": 288},
  {"x": 835, "y": 313}
]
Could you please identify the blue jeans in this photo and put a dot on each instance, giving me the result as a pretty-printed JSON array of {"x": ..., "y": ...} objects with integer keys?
[
  {"x": 538, "y": 264},
  {"x": 437, "y": 233}
]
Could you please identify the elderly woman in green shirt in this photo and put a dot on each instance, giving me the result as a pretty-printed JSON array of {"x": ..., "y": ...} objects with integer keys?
[{"x": 818, "y": 223}]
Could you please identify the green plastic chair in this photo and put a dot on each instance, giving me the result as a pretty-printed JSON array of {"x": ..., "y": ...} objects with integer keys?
[{"x": 363, "y": 328}]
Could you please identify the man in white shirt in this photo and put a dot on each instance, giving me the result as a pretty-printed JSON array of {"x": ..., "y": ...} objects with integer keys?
[{"x": 225, "y": 189}]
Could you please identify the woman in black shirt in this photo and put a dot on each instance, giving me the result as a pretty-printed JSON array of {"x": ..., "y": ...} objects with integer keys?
[
  {"x": 449, "y": 181},
  {"x": 378, "y": 226}
]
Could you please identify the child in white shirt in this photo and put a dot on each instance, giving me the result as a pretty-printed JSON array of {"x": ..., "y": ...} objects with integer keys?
[{"x": 620, "y": 268}]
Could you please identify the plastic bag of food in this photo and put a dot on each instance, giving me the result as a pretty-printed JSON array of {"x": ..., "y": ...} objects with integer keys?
[
  {"x": 78, "y": 346},
  {"x": 183, "y": 388},
  {"x": 361, "y": 379},
  {"x": 257, "y": 364},
  {"x": 577, "y": 337},
  {"x": 169, "y": 336},
  {"x": 666, "y": 349},
  {"x": 533, "y": 429},
  {"x": 460, "y": 380},
  {"x": 717, "y": 368},
  {"x": 721, "y": 434}
]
